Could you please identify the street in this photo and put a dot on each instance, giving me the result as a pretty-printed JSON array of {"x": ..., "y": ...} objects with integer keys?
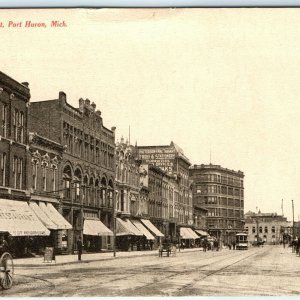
[{"x": 270, "y": 270}]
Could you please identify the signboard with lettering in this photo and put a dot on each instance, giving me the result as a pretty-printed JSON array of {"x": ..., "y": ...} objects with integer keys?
[
  {"x": 163, "y": 157},
  {"x": 48, "y": 255}
]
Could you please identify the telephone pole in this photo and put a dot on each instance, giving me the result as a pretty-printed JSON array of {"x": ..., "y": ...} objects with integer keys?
[{"x": 293, "y": 220}]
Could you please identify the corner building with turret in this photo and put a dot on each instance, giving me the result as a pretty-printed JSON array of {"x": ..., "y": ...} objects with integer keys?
[{"x": 221, "y": 192}]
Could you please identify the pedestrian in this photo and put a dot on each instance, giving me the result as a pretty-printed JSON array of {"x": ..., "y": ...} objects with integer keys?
[
  {"x": 204, "y": 245},
  {"x": 151, "y": 244},
  {"x": 79, "y": 248},
  {"x": 298, "y": 247}
]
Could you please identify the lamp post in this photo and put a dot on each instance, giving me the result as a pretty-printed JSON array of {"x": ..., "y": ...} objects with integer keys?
[{"x": 114, "y": 222}]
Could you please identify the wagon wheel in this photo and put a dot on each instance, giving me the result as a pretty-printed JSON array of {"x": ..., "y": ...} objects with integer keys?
[{"x": 6, "y": 271}]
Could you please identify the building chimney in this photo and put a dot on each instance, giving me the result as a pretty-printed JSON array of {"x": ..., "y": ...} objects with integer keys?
[
  {"x": 87, "y": 102},
  {"x": 26, "y": 84},
  {"x": 62, "y": 96},
  {"x": 81, "y": 104},
  {"x": 93, "y": 105}
]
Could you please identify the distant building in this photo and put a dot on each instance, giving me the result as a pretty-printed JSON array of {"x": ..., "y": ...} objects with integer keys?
[
  {"x": 221, "y": 192},
  {"x": 170, "y": 202},
  {"x": 267, "y": 227}
]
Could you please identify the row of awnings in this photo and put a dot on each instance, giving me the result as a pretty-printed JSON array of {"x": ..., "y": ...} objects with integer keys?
[
  {"x": 36, "y": 219},
  {"x": 20, "y": 219},
  {"x": 124, "y": 227},
  {"x": 188, "y": 233}
]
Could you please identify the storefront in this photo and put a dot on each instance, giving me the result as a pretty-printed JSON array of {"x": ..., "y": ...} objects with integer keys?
[
  {"x": 158, "y": 235},
  {"x": 188, "y": 237},
  {"x": 23, "y": 226},
  {"x": 93, "y": 232}
]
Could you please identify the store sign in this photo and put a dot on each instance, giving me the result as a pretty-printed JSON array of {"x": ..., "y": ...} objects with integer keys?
[{"x": 160, "y": 157}]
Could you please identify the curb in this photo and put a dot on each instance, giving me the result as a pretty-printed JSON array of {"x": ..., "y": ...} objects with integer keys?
[{"x": 16, "y": 265}]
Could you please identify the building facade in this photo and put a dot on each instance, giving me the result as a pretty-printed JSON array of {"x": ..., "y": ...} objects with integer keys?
[
  {"x": 221, "y": 192},
  {"x": 14, "y": 102},
  {"x": 170, "y": 199},
  {"x": 86, "y": 187},
  {"x": 266, "y": 227}
]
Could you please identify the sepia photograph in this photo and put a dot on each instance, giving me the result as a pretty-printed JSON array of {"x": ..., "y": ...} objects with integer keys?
[{"x": 149, "y": 152}]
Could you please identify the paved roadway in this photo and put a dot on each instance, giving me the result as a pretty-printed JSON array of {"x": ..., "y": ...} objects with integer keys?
[{"x": 271, "y": 270}]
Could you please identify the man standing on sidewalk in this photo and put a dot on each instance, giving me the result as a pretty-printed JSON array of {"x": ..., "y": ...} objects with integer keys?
[{"x": 79, "y": 248}]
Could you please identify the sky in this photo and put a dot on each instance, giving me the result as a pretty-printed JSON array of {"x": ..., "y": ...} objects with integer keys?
[{"x": 219, "y": 81}]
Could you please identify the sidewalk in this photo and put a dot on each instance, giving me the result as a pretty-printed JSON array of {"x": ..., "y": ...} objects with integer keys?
[{"x": 87, "y": 257}]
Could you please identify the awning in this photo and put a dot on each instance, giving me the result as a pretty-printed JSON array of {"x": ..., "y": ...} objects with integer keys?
[
  {"x": 122, "y": 228},
  {"x": 55, "y": 216},
  {"x": 202, "y": 233},
  {"x": 193, "y": 233},
  {"x": 152, "y": 228},
  {"x": 133, "y": 228},
  {"x": 143, "y": 229},
  {"x": 185, "y": 233},
  {"x": 42, "y": 216},
  {"x": 17, "y": 218},
  {"x": 95, "y": 227}
]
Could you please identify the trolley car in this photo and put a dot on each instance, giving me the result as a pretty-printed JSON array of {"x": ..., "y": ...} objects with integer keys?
[{"x": 241, "y": 241}]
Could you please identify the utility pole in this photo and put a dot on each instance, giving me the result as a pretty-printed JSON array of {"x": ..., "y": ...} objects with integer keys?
[
  {"x": 293, "y": 220},
  {"x": 114, "y": 220}
]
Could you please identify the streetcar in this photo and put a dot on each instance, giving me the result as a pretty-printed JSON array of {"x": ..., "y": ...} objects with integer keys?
[{"x": 241, "y": 241}]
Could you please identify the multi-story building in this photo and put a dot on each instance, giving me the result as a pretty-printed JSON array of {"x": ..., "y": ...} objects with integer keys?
[
  {"x": 221, "y": 192},
  {"x": 267, "y": 227},
  {"x": 170, "y": 203},
  {"x": 88, "y": 167},
  {"x": 44, "y": 175},
  {"x": 16, "y": 217},
  {"x": 14, "y": 102}
]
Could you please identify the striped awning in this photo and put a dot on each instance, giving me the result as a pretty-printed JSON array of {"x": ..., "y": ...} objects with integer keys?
[
  {"x": 201, "y": 232},
  {"x": 143, "y": 229},
  {"x": 187, "y": 233},
  {"x": 124, "y": 228},
  {"x": 17, "y": 218},
  {"x": 95, "y": 227},
  {"x": 152, "y": 228}
]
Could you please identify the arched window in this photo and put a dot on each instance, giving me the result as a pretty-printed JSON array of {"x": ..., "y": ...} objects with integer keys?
[
  {"x": 85, "y": 193},
  {"x": 91, "y": 192},
  {"x": 77, "y": 185},
  {"x": 67, "y": 177},
  {"x": 103, "y": 191}
]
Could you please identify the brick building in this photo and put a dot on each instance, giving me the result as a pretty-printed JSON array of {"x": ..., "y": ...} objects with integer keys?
[
  {"x": 221, "y": 192},
  {"x": 88, "y": 169},
  {"x": 14, "y": 100},
  {"x": 170, "y": 200}
]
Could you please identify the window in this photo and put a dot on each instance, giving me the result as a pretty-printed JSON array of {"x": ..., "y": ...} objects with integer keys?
[
  {"x": 260, "y": 229},
  {"x": 34, "y": 174},
  {"x": 3, "y": 169},
  {"x": 54, "y": 170},
  {"x": 15, "y": 166},
  {"x": 266, "y": 229},
  {"x": 21, "y": 127},
  {"x": 253, "y": 229},
  {"x": 44, "y": 176},
  {"x": 4, "y": 120},
  {"x": 273, "y": 229},
  {"x": 20, "y": 173}
]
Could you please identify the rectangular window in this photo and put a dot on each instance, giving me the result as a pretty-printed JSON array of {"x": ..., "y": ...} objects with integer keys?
[
  {"x": 4, "y": 120},
  {"x": 54, "y": 179},
  {"x": 266, "y": 229},
  {"x": 253, "y": 229},
  {"x": 3, "y": 169},
  {"x": 14, "y": 169},
  {"x": 34, "y": 175},
  {"x": 21, "y": 127},
  {"x": 44, "y": 178},
  {"x": 20, "y": 173}
]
